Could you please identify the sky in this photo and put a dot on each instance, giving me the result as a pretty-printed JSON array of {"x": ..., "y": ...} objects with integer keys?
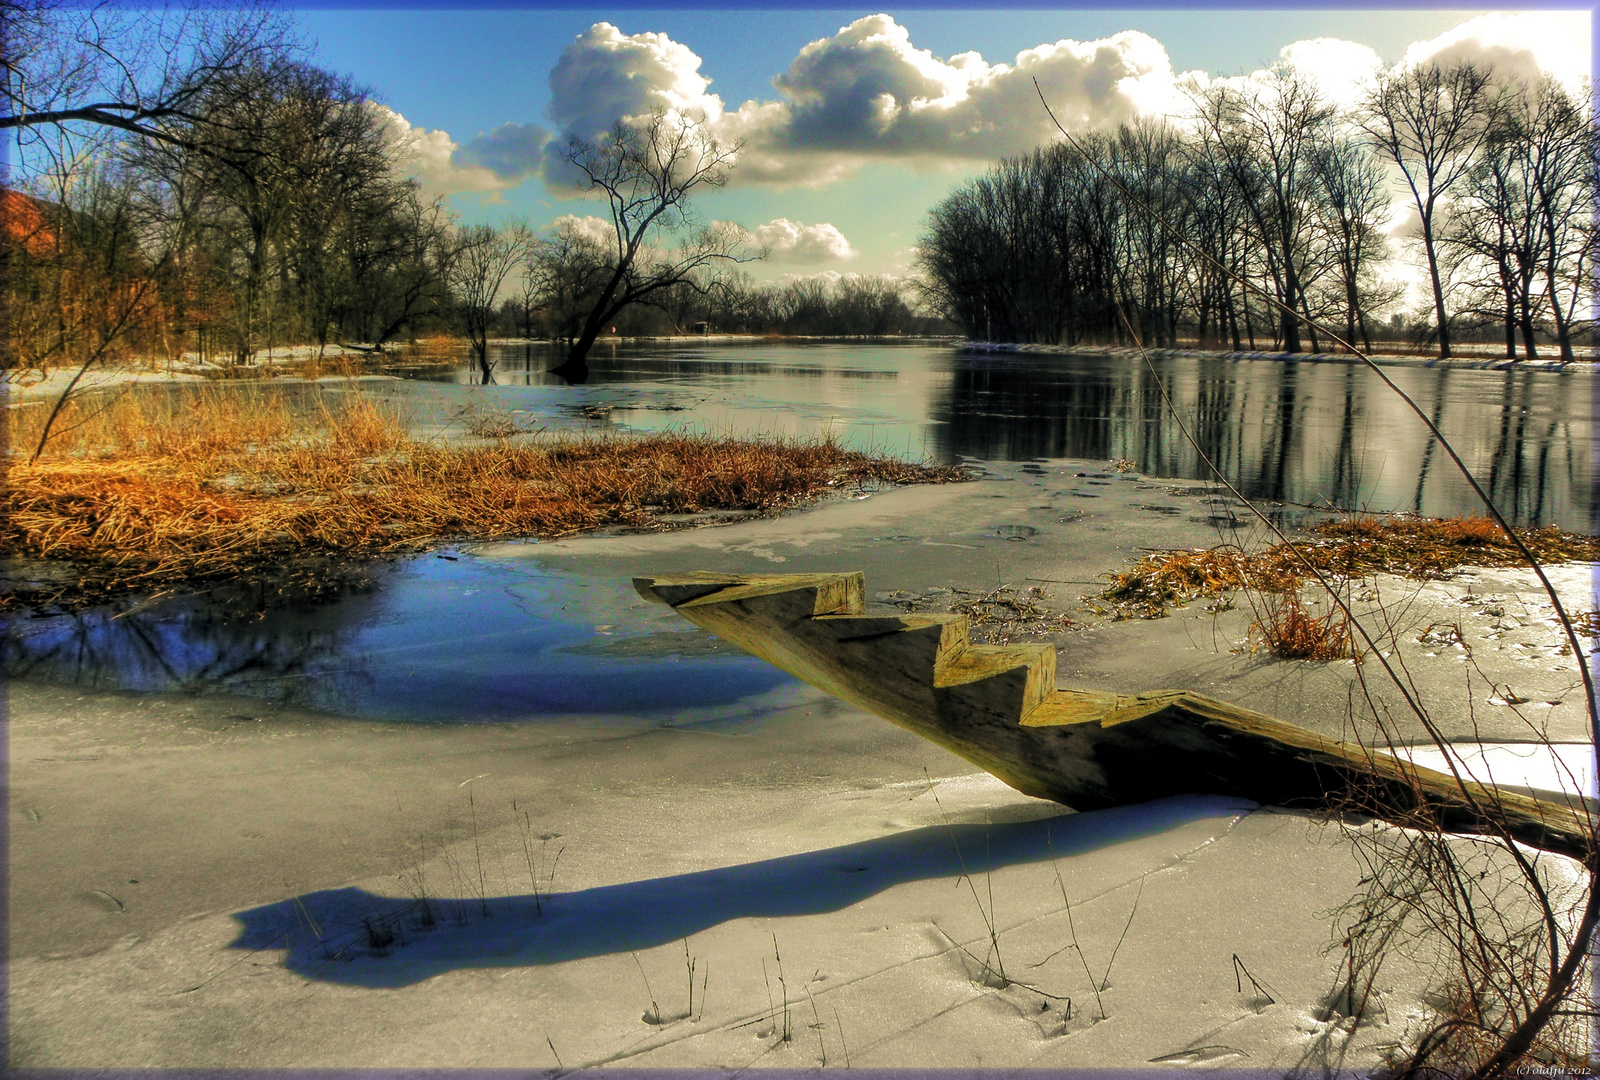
[{"x": 854, "y": 122}]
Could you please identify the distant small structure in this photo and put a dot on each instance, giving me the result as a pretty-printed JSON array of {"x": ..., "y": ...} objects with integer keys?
[{"x": 703, "y": 328}]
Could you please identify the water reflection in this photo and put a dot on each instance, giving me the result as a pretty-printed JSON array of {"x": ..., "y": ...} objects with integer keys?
[
  {"x": 451, "y": 638},
  {"x": 1295, "y": 432},
  {"x": 1299, "y": 432}
]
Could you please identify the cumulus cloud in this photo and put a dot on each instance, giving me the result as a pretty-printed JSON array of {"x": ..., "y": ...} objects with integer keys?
[
  {"x": 866, "y": 91},
  {"x": 790, "y": 241},
  {"x": 429, "y": 156},
  {"x": 595, "y": 230},
  {"x": 1344, "y": 71},
  {"x": 869, "y": 91},
  {"x": 511, "y": 151},
  {"x": 604, "y": 75},
  {"x": 1522, "y": 43}
]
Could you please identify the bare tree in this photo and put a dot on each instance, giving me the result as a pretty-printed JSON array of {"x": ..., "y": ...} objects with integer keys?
[
  {"x": 563, "y": 276},
  {"x": 1560, "y": 139},
  {"x": 1354, "y": 204},
  {"x": 647, "y": 173},
  {"x": 1267, "y": 136},
  {"x": 134, "y": 68},
  {"x": 1494, "y": 237},
  {"x": 484, "y": 257},
  {"x": 395, "y": 248},
  {"x": 291, "y": 152},
  {"x": 1431, "y": 121}
]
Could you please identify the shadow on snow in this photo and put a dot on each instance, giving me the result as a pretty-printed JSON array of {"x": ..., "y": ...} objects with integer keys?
[{"x": 356, "y": 938}]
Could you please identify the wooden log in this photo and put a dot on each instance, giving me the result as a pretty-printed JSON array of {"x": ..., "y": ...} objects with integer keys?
[{"x": 998, "y": 707}]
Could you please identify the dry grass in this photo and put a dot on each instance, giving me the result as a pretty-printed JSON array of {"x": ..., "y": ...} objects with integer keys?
[
  {"x": 1426, "y": 548},
  {"x": 153, "y": 490},
  {"x": 1004, "y": 613},
  {"x": 1290, "y": 631}
]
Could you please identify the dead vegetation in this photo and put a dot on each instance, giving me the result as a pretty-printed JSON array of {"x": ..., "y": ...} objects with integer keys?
[
  {"x": 1424, "y": 548},
  {"x": 994, "y": 617},
  {"x": 1004, "y": 613},
  {"x": 145, "y": 491},
  {"x": 1289, "y": 630}
]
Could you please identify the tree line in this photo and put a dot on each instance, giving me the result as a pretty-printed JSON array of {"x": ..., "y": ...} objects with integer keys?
[
  {"x": 267, "y": 211},
  {"x": 192, "y": 183},
  {"x": 1262, "y": 214}
]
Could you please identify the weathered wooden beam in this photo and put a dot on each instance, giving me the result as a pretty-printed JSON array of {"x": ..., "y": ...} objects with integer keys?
[{"x": 998, "y": 707}]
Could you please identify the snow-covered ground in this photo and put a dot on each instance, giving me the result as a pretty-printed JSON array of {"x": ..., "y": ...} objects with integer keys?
[{"x": 207, "y": 881}]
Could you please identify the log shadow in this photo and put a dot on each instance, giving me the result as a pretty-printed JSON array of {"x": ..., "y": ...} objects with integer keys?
[{"x": 353, "y": 937}]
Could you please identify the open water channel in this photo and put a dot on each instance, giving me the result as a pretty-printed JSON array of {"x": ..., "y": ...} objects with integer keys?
[{"x": 456, "y": 637}]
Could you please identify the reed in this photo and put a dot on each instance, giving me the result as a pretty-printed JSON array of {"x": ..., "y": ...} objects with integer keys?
[
  {"x": 146, "y": 491},
  {"x": 1426, "y": 548}
]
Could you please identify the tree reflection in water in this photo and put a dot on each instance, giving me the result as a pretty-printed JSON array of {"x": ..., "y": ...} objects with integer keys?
[
  {"x": 267, "y": 638},
  {"x": 442, "y": 638},
  {"x": 1287, "y": 431}
]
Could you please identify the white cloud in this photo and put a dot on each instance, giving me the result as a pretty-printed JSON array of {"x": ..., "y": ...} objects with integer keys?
[
  {"x": 428, "y": 156},
  {"x": 597, "y": 231},
  {"x": 604, "y": 75},
  {"x": 869, "y": 91},
  {"x": 790, "y": 241},
  {"x": 1522, "y": 43},
  {"x": 1344, "y": 71}
]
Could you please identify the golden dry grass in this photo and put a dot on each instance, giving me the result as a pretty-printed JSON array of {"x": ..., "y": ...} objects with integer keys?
[
  {"x": 1294, "y": 633},
  {"x": 156, "y": 489},
  {"x": 1426, "y": 548}
]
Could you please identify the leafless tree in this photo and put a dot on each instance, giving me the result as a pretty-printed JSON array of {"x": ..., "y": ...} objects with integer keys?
[
  {"x": 135, "y": 68},
  {"x": 394, "y": 250},
  {"x": 1267, "y": 135},
  {"x": 484, "y": 257},
  {"x": 1431, "y": 120},
  {"x": 1354, "y": 204},
  {"x": 1519, "y": 227},
  {"x": 293, "y": 156},
  {"x": 562, "y": 278},
  {"x": 647, "y": 172},
  {"x": 1559, "y": 135},
  {"x": 1494, "y": 236}
]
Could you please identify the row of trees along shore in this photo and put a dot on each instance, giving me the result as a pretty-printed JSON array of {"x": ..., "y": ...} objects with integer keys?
[
  {"x": 287, "y": 222},
  {"x": 224, "y": 196},
  {"x": 1153, "y": 227},
  {"x": 189, "y": 183}
]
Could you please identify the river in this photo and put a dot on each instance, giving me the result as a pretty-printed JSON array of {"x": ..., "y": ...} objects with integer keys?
[
  {"x": 1310, "y": 432},
  {"x": 542, "y": 641}
]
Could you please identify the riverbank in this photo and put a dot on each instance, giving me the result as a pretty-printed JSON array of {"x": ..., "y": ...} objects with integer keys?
[
  {"x": 1484, "y": 363},
  {"x": 329, "y": 363}
]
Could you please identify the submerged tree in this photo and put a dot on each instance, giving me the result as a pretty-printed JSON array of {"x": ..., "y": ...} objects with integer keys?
[
  {"x": 480, "y": 264},
  {"x": 647, "y": 172}
]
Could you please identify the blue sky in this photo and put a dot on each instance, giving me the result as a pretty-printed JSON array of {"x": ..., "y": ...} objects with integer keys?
[{"x": 456, "y": 76}]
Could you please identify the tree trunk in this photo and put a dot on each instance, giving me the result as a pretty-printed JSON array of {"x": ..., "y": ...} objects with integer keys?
[
  {"x": 1511, "y": 326},
  {"x": 1438, "y": 286},
  {"x": 1563, "y": 323}
]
